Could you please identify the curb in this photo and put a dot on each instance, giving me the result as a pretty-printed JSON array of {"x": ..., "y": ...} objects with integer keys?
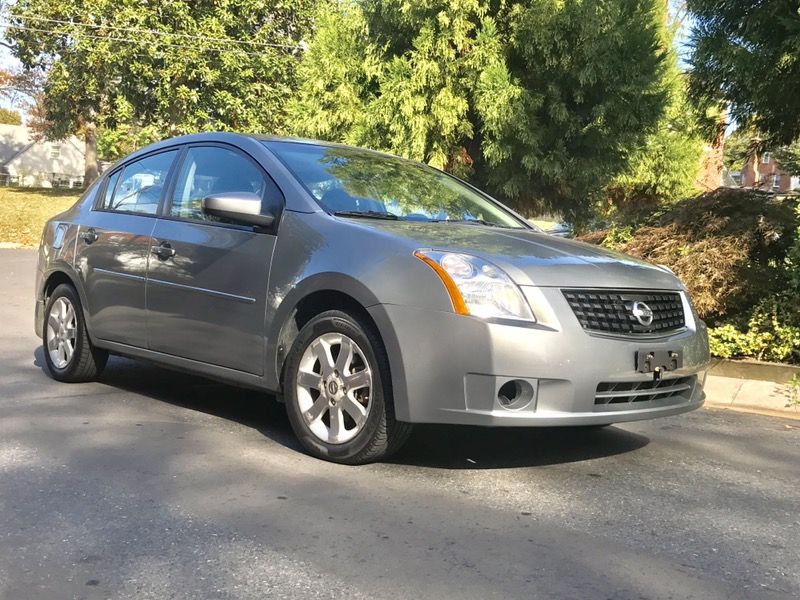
[{"x": 751, "y": 386}]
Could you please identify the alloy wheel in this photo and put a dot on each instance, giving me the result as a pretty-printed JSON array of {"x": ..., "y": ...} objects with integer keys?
[
  {"x": 334, "y": 387},
  {"x": 62, "y": 326}
]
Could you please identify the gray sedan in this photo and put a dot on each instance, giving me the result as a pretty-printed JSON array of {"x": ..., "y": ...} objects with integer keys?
[{"x": 367, "y": 291}]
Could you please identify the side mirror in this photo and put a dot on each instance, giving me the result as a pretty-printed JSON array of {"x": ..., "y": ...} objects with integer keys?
[{"x": 239, "y": 207}]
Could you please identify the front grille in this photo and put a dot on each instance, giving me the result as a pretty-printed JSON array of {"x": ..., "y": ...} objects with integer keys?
[
  {"x": 629, "y": 392},
  {"x": 612, "y": 311}
]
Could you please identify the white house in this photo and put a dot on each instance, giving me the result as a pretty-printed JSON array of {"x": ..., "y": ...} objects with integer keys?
[{"x": 28, "y": 161}]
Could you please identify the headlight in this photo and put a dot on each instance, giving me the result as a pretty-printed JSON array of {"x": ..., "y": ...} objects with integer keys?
[{"x": 477, "y": 287}]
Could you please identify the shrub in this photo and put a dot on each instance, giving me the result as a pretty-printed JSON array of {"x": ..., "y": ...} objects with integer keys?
[
  {"x": 772, "y": 332},
  {"x": 728, "y": 246}
]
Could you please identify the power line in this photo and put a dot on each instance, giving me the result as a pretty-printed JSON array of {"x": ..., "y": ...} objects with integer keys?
[
  {"x": 201, "y": 48},
  {"x": 225, "y": 40}
]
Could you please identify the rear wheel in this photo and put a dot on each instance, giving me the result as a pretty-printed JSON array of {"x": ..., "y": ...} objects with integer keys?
[
  {"x": 68, "y": 352},
  {"x": 338, "y": 391}
]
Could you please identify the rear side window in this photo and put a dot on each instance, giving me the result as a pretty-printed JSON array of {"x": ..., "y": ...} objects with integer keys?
[
  {"x": 211, "y": 170},
  {"x": 110, "y": 187},
  {"x": 139, "y": 185}
]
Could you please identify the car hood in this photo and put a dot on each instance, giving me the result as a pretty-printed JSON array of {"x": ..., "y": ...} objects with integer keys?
[{"x": 530, "y": 257}]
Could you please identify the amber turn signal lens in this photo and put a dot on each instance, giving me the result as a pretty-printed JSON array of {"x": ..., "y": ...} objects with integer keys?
[{"x": 459, "y": 306}]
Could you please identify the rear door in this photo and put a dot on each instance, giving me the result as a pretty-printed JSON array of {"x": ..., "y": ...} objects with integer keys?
[
  {"x": 207, "y": 289},
  {"x": 114, "y": 247}
]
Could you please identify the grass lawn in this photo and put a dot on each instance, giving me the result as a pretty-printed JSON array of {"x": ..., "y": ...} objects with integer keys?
[{"x": 23, "y": 212}]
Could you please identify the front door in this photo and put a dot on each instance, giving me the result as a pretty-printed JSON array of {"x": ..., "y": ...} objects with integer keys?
[
  {"x": 207, "y": 289},
  {"x": 114, "y": 247}
]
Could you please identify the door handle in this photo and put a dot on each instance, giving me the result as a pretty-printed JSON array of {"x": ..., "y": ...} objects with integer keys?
[
  {"x": 163, "y": 251},
  {"x": 90, "y": 237}
]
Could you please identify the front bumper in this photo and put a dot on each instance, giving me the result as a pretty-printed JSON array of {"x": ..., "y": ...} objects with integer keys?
[{"x": 448, "y": 368}]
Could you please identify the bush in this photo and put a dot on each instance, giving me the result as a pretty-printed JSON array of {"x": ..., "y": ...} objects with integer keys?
[
  {"x": 728, "y": 246},
  {"x": 772, "y": 332},
  {"x": 738, "y": 252}
]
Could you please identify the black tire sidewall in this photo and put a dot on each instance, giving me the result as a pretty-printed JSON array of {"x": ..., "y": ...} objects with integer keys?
[
  {"x": 68, "y": 292},
  {"x": 336, "y": 322}
]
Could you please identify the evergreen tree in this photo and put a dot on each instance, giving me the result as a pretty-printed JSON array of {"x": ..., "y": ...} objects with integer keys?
[
  {"x": 747, "y": 55},
  {"x": 664, "y": 168},
  {"x": 536, "y": 100}
]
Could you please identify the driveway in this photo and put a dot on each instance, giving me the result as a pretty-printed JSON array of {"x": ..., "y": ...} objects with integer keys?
[{"x": 152, "y": 484}]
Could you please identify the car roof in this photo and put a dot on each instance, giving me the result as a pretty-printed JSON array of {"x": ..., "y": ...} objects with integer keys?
[{"x": 231, "y": 137}]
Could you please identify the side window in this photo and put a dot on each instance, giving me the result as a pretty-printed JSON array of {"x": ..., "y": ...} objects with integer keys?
[
  {"x": 109, "y": 193},
  {"x": 140, "y": 184},
  {"x": 213, "y": 170}
]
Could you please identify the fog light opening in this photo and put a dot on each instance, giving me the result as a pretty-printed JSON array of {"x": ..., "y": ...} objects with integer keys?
[{"x": 515, "y": 394}]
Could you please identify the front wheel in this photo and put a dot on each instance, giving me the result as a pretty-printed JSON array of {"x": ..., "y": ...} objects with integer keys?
[
  {"x": 338, "y": 391},
  {"x": 68, "y": 352}
]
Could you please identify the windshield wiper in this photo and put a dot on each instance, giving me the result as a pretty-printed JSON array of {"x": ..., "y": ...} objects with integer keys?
[
  {"x": 467, "y": 222},
  {"x": 367, "y": 214}
]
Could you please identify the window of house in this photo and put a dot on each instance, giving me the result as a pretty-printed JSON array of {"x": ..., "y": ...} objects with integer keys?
[
  {"x": 137, "y": 188},
  {"x": 765, "y": 158},
  {"x": 214, "y": 170},
  {"x": 776, "y": 180},
  {"x": 55, "y": 152}
]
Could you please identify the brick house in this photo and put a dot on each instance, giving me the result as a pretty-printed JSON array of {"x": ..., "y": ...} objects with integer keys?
[{"x": 763, "y": 171}]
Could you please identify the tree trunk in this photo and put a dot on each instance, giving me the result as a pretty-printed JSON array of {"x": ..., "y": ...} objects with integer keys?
[
  {"x": 91, "y": 168},
  {"x": 756, "y": 179}
]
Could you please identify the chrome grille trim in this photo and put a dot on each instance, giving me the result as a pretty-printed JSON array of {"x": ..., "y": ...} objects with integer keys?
[{"x": 611, "y": 311}]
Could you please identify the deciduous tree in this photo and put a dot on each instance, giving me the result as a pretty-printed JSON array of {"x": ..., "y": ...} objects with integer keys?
[
  {"x": 170, "y": 67},
  {"x": 10, "y": 117}
]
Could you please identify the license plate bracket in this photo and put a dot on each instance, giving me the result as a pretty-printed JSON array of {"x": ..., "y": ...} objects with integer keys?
[{"x": 658, "y": 361}]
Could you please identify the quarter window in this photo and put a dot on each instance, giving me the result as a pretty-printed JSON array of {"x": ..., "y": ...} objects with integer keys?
[
  {"x": 110, "y": 187},
  {"x": 140, "y": 184},
  {"x": 212, "y": 170}
]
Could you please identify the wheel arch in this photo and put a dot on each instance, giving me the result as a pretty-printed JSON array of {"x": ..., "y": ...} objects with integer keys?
[
  {"x": 51, "y": 281},
  {"x": 312, "y": 297}
]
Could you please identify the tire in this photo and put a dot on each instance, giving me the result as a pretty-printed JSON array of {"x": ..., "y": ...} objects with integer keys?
[
  {"x": 317, "y": 397},
  {"x": 77, "y": 360}
]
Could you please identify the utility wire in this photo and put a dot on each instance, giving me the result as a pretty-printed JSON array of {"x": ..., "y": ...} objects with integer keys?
[
  {"x": 225, "y": 40},
  {"x": 238, "y": 51}
]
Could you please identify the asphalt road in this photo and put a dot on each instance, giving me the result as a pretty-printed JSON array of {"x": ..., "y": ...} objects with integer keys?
[{"x": 152, "y": 484}]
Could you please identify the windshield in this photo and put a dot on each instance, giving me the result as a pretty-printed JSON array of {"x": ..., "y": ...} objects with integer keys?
[{"x": 354, "y": 182}]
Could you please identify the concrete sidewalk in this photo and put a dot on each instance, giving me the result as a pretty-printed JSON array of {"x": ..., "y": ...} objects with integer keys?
[{"x": 752, "y": 386}]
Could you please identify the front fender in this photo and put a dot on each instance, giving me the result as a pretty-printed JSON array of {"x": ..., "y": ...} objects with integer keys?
[{"x": 286, "y": 306}]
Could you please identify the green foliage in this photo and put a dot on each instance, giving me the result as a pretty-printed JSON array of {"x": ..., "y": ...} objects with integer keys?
[
  {"x": 664, "y": 168},
  {"x": 535, "y": 100},
  {"x": 10, "y": 117},
  {"x": 794, "y": 391},
  {"x": 772, "y": 332},
  {"x": 740, "y": 145},
  {"x": 338, "y": 76},
  {"x": 788, "y": 157},
  {"x": 747, "y": 55},
  {"x": 792, "y": 261},
  {"x": 618, "y": 236},
  {"x": 173, "y": 66}
]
